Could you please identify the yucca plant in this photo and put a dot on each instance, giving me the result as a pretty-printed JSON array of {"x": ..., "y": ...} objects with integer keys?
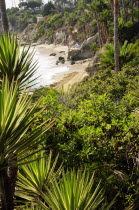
[
  {"x": 107, "y": 58},
  {"x": 29, "y": 206},
  {"x": 36, "y": 175},
  {"x": 74, "y": 191},
  {"x": 17, "y": 140},
  {"x": 15, "y": 62}
]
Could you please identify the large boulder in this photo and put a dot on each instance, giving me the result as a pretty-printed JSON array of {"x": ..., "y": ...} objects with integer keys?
[
  {"x": 86, "y": 44},
  {"x": 84, "y": 51},
  {"x": 73, "y": 54}
]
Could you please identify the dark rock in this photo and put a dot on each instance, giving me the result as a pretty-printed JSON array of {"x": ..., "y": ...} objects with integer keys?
[
  {"x": 61, "y": 58},
  {"x": 72, "y": 62},
  {"x": 63, "y": 61},
  {"x": 62, "y": 52},
  {"x": 73, "y": 54},
  {"x": 57, "y": 62},
  {"x": 52, "y": 54}
]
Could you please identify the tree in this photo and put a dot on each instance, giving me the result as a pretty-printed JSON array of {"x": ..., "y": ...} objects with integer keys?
[
  {"x": 48, "y": 8},
  {"x": 12, "y": 11},
  {"x": 93, "y": 8},
  {"x": 33, "y": 4},
  {"x": 23, "y": 4},
  {"x": 38, "y": 1},
  {"x": 116, "y": 51},
  {"x": 4, "y": 16}
]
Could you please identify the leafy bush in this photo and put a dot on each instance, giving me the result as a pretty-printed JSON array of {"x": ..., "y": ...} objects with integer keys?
[
  {"x": 127, "y": 30},
  {"x": 55, "y": 21},
  {"x": 94, "y": 47}
]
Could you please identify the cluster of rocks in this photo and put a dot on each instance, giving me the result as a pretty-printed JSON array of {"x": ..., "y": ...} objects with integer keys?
[
  {"x": 82, "y": 53},
  {"x": 60, "y": 60}
]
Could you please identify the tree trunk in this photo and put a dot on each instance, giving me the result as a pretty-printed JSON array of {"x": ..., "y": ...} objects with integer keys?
[
  {"x": 98, "y": 26},
  {"x": 7, "y": 188},
  {"x": 111, "y": 3},
  {"x": 4, "y": 16},
  {"x": 116, "y": 50},
  {"x": 131, "y": 10},
  {"x": 124, "y": 9}
]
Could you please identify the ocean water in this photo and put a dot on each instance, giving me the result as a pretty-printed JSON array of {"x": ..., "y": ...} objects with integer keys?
[{"x": 47, "y": 69}]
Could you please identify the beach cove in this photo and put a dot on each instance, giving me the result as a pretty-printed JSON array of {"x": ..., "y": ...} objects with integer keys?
[{"x": 61, "y": 75}]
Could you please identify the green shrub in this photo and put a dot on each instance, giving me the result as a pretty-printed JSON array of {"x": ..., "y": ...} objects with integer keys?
[
  {"x": 94, "y": 47},
  {"x": 127, "y": 30},
  {"x": 55, "y": 21}
]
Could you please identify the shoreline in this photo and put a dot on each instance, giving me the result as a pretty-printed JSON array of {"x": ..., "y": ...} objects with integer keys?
[{"x": 75, "y": 73}]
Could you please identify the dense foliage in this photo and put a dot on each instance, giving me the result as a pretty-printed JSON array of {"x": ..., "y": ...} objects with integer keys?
[{"x": 97, "y": 126}]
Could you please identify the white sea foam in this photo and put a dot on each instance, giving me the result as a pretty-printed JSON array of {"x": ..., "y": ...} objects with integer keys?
[{"x": 46, "y": 69}]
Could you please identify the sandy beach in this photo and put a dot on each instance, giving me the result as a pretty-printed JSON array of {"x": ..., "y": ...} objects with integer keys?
[{"x": 74, "y": 74}]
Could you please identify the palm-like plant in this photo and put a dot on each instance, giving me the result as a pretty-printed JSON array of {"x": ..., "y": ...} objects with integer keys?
[
  {"x": 17, "y": 140},
  {"x": 34, "y": 176},
  {"x": 127, "y": 52},
  {"x": 76, "y": 190},
  {"x": 15, "y": 63},
  {"x": 107, "y": 58}
]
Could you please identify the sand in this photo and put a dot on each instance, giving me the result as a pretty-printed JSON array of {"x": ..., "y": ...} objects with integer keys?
[{"x": 76, "y": 72}]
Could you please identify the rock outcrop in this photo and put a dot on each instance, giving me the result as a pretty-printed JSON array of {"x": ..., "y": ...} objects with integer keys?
[
  {"x": 94, "y": 64},
  {"x": 86, "y": 44},
  {"x": 84, "y": 51},
  {"x": 73, "y": 54},
  {"x": 60, "y": 37},
  {"x": 65, "y": 36}
]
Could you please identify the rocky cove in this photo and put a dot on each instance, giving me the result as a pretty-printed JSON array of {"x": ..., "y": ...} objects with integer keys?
[
  {"x": 58, "y": 75},
  {"x": 62, "y": 65}
]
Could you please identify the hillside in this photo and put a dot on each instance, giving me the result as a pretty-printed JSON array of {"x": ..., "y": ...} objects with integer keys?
[{"x": 85, "y": 26}]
